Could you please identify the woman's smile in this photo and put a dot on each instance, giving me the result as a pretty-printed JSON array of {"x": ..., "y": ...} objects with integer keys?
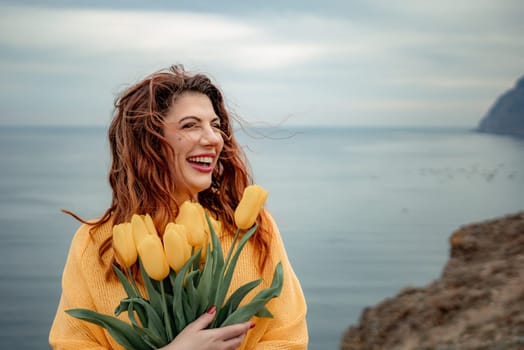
[{"x": 203, "y": 162}]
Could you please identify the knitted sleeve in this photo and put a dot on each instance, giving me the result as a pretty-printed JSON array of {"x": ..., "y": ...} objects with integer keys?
[
  {"x": 288, "y": 329},
  {"x": 68, "y": 333}
]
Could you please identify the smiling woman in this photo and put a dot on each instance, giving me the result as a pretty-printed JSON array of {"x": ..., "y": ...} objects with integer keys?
[{"x": 172, "y": 142}]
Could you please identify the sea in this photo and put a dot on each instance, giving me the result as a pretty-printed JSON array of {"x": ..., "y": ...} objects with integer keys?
[{"x": 363, "y": 212}]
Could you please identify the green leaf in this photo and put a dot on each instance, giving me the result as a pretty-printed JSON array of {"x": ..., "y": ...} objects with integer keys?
[
  {"x": 196, "y": 262},
  {"x": 193, "y": 299},
  {"x": 205, "y": 283},
  {"x": 154, "y": 322},
  {"x": 123, "y": 306},
  {"x": 122, "y": 332},
  {"x": 231, "y": 249},
  {"x": 217, "y": 256},
  {"x": 247, "y": 311},
  {"x": 147, "y": 340},
  {"x": 152, "y": 338},
  {"x": 187, "y": 309},
  {"x": 235, "y": 299},
  {"x": 165, "y": 312},
  {"x": 172, "y": 277},
  {"x": 213, "y": 282},
  {"x": 178, "y": 296},
  {"x": 225, "y": 282},
  {"x": 264, "y": 312},
  {"x": 241, "y": 292},
  {"x": 131, "y": 292},
  {"x": 155, "y": 298},
  {"x": 131, "y": 314}
]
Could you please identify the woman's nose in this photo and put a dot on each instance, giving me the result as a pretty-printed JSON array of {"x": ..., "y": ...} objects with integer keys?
[{"x": 211, "y": 136}]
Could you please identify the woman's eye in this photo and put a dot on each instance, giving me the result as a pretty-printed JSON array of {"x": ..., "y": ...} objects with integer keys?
[{"x": 188, "y": 125}]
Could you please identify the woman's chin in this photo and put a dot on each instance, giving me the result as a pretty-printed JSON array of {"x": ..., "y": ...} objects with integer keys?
[{"x": 198, "y": 188}]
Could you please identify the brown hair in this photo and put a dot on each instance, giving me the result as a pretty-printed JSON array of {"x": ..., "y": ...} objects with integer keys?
[{"x": 142, "y": 175}]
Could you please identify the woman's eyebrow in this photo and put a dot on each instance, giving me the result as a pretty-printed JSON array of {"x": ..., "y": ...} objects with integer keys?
[
  {"x": 189, "y": 117},
  {"x": 214, "y": 119}
]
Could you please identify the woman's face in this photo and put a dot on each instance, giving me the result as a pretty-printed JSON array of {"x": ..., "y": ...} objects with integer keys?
[{"x": 193, "y": 130}]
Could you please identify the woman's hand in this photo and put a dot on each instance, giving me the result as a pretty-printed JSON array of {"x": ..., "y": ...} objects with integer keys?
[{"x": 196, "y": 337}]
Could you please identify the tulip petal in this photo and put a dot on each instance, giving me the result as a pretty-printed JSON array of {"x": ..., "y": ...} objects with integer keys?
[
  {"x": 153, "y": 258},
  {"x": 139, "y": 229},
  {"x": 192, "y": 216},
  {"x": 124, "y": 244},
  {"x": 176, "y": 247},
  {"x": 252, "y": 201},
  {"x": 150, "y": 225}
]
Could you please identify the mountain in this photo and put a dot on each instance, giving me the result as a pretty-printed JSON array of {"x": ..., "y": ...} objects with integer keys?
[
  {"x": 477, "y": 303},
  {"x": 506, "y": 116}
]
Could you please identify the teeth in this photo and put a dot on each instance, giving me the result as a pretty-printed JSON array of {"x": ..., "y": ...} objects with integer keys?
[{"x": 201, "y": 159}]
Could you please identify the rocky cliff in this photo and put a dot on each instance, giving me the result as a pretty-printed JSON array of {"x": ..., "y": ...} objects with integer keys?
[
  {"x": 477, "y": 303},
  {"x": 506, "y": 116}
]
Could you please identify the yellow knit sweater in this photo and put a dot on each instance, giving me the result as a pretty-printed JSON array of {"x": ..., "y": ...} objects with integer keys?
[{"x": 84, "y": 286}]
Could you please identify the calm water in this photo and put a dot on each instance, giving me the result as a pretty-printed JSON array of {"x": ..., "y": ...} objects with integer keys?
[{"x": 363, "y": 212}]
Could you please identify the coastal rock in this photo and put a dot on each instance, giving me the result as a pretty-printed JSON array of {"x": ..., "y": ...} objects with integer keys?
[
  {"x": 506, "y": 116},
  {"x": 477, "y": 303}
]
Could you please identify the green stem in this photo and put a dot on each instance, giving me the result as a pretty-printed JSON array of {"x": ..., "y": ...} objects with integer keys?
[
  {"x": 230, "y": 252},
  {"x": 167, "y": 320},
  {"x": 192, "y": 252},
  {"x": 135, "y": 287}
]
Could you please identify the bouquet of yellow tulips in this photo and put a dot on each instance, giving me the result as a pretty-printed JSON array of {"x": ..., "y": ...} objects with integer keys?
[{"x": 179, "y": 287}]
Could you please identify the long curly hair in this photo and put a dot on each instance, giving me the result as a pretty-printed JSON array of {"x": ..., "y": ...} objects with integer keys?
[{"x": 142, "y": 175}]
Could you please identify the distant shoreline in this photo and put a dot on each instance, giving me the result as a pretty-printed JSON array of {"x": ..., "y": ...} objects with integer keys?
[{"x": 279, "y": 127}]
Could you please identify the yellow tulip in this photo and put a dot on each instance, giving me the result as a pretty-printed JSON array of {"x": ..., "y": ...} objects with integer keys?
[
  {"x": 176, "y": 247},
  {"x": 252, "y": 201},
  {"x": 191, "y": 216},
  {"x": 153, "y": 258},
  {"x": 217, "y": 227},
  {"x": 124, "y": 244},
  {"x": 150, "y": 225},
  {"x": 139, "y": 229}
]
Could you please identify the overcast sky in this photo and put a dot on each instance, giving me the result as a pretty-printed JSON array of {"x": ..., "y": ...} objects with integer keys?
[{"x": 355, "y": 63}]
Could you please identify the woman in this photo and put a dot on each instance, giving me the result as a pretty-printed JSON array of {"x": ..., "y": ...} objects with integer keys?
[{"x": 171, "y": 140}]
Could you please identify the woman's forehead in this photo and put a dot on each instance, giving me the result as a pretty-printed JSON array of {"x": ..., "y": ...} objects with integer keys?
[{"x": 192, "y": 104}]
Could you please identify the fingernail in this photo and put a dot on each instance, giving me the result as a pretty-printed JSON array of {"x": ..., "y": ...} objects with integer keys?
[
  {"x": 212, "y": 310},
  {"x": 252, "y": 325}
]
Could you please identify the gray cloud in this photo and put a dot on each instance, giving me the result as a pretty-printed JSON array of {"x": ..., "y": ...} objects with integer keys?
[{"x": 369, "y": 63}]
